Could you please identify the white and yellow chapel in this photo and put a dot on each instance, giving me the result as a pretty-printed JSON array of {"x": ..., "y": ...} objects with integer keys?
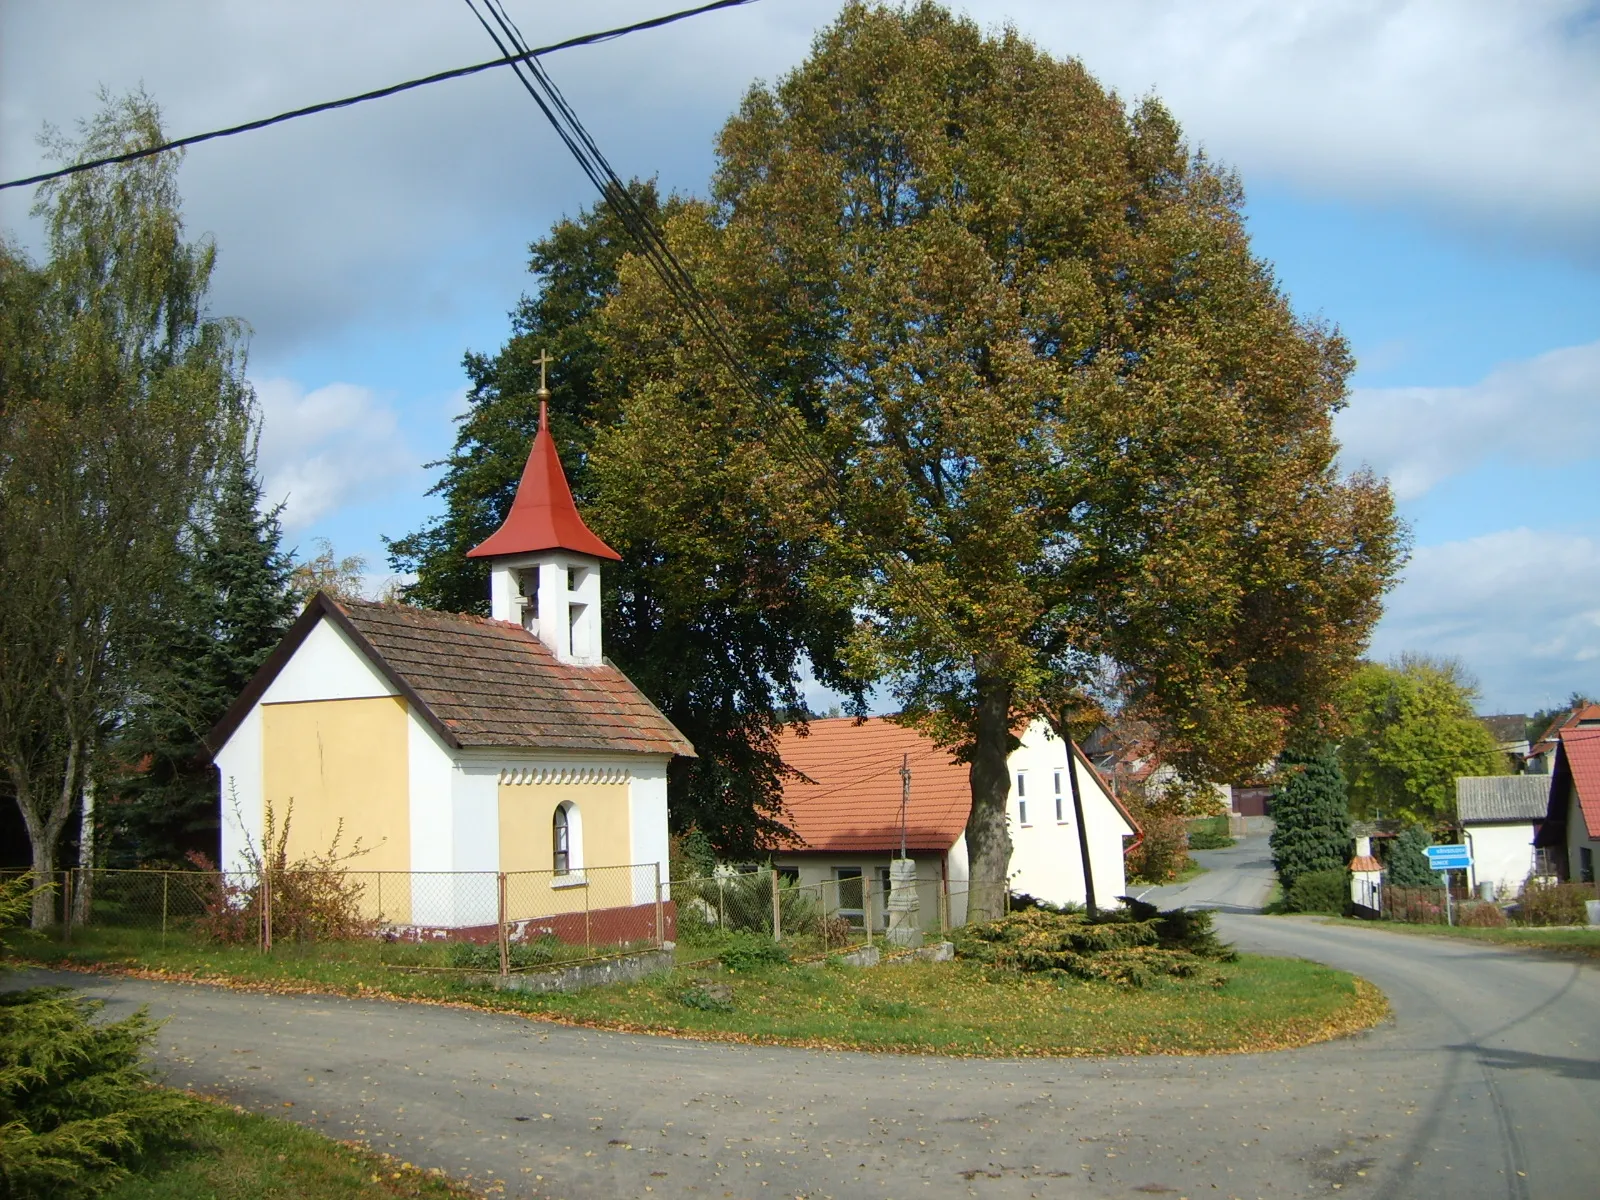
[{"x": 446, "y": 742}]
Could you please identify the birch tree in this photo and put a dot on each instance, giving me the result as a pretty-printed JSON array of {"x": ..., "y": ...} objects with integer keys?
[{"x": 118, "y": 392}]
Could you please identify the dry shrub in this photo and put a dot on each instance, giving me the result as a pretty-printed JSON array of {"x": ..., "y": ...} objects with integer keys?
[
  {"x": 1480, "y": 914},
  {"x": 310, "y": 898},
  {"x": 1554, "y": 903},
  {"x": 1163, "y": 853}
]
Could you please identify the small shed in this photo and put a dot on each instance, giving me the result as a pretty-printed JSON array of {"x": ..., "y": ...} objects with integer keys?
[{"x": 1500, "y": 816}]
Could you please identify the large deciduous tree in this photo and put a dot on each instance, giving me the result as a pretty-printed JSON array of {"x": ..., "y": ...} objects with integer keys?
[
  {"x": 1412, "y": 732},
  {"x": 1029, "y": 406},
  {"x": 117, "y": 393},
  {"x": 708, "y": 616}
]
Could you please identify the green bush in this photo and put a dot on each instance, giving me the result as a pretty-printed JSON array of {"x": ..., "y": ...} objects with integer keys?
[
  {"x": 750, "y": 952},
  {"x": 1210, "y": 833},
  {"x": 1133, "y": 946},
  {"x": 533, "y": 953},
  {"x": 1319, "y": 892}
]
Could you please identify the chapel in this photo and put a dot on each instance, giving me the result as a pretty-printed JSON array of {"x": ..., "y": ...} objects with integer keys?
[{"x": 455, "y": 747}]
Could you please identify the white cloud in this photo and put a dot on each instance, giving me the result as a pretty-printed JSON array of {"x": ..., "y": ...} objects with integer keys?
[
  {"x": 1542, "y": 410},
  {"x": 414, "y": 208},
  {"x": 1521, "y": 607},
  {"x": 323, "y": 448}
]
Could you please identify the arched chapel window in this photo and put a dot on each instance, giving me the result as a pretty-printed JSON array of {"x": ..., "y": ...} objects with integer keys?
[{"x": 563, "y": 840}]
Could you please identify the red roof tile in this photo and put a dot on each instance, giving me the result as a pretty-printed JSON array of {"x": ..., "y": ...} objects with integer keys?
[
  {"x": 1581, "y": 748},
  {"x": 543, "y": 515},
  {"x": 849, "y": 796}
]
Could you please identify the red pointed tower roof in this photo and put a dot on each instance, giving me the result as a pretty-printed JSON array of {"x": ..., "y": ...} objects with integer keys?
[{"x": 543, "y": 515}]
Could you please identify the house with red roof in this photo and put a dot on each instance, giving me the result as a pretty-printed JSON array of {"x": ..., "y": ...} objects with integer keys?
[
  {"x": 455, "y": 747},
  {"x": 1571, "y": 830},
  {"x": 851, "y": 809}
]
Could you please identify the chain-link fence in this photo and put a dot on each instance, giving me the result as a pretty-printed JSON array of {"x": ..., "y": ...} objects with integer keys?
[{"x": 589, "y": 911}]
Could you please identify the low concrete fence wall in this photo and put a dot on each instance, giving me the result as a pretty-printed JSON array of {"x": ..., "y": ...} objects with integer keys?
[{"x": 625, "y": 969}]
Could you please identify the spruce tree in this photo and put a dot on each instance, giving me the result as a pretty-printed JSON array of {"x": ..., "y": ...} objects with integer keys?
[
  {"x": 1311, "y": 815},
  {"x": 236, "y": 606},
  {"x": 1406, "y": 865}
]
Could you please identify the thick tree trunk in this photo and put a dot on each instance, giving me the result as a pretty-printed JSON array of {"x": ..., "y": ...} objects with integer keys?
[{"x": 988, "y": 837}]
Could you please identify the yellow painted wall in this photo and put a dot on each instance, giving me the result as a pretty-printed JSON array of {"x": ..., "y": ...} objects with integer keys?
[
  {"x": 343, "y": 760},
  {"x": 527, "y": 816}
]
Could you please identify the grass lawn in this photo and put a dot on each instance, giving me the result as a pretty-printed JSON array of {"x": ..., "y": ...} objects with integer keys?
[
  {"x": 946, "y": 1008},
  {"x": 238, "y": 1156},
  {"x": 1567, "y": 940}
]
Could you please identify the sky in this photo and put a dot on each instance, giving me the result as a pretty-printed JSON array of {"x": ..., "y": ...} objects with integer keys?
[{"x": 1425, "y": 174}]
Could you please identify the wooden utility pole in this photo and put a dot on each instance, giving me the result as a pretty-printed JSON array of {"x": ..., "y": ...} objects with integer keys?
[{"x": 1083, "y": 832}]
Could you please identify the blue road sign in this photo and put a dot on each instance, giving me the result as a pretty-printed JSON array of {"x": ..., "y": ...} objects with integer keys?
[{"x": 1448, "y": 858}]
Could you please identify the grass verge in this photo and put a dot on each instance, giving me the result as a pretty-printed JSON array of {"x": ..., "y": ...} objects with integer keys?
[
  {"x": 957, "y": 1008},
  {"x": 1583, "y": 942},
  {"x": 234, "y": 1155}
]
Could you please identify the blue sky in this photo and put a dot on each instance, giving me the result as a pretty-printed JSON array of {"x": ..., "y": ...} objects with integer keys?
[{"x": 1424, "y": 173}]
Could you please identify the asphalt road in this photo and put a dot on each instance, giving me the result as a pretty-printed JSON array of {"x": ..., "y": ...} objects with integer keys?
[{"x": 1485, "y": 1085}]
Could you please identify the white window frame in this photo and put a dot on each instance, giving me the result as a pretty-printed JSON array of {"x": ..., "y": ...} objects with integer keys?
[
  {"x": 1022, "y": 798},
  {"x": 573, "y": 876}
]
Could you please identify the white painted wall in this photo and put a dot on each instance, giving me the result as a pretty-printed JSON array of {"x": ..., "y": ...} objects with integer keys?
[
  {"x": 239, "y": 777},
  {"x": 647, "y": 823},
  {"x": 1046, "y": 857},
  {"x": 1502, "y": 853}
]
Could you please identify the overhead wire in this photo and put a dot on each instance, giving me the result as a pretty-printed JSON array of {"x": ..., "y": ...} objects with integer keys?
[{"x": 526, "y": 54}]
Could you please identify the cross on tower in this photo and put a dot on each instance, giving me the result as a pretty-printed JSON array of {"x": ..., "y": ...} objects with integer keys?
[{"x": 542, "y": 360}]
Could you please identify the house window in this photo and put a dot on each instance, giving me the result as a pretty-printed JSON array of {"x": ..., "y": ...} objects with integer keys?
[
  {"x": 789, "y": 875},
  {"x": 1022, "y": 799},
  {"x": 1059, "y": 817},
  {"x": 849, "y": 894},
  {"x": 566, "y": 839},
  {"x": 1585, "y": 865}
]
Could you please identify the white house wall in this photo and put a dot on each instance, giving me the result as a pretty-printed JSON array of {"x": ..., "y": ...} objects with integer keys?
[
  {"x": 1046, "y": 856},
  {"x": 431, "y": 784},
  {"x": 1501, "y": 853}
]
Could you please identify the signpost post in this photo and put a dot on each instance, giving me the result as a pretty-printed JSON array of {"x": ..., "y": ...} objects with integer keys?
[{"x": 1444, "y": 859}]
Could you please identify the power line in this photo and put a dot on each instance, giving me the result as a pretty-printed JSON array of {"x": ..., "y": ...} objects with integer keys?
[{"x": 509, "y": 60}]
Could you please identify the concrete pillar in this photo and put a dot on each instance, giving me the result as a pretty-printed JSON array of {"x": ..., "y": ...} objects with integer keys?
[{"x": 904, "y": 905}]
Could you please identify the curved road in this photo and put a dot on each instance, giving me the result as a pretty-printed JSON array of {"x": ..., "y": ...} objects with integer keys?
[{"x": 1485, "y": 1085}]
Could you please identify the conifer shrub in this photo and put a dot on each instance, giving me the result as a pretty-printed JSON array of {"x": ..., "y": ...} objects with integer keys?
[
  {"x": 76, "y": 1107},
  {"x": 1319, "y": 892},
  {"x": 1133, "y": 946},
  {"x": 1311, "y": 816}
]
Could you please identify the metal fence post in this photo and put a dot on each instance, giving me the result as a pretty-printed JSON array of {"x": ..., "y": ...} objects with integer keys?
[
  {"x": 661, "y": 929},
  {"x": 866, "y": 905},
  {"x": 66, "y": 909},
  {"x": 944, "y": 906},
  {"x": 500, "y": 924},
  {"x": 777, "y": 915},
  {"x": 166, "y": 878},
  {"x": 266, "y": 910}
]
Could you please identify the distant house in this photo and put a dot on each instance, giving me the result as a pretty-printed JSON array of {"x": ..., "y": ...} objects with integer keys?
[
  {"x": 1499, "y": 816},
  {"x": 1510, "y": 733},
  {"x": 844, "y": 806},
  {"x": 1571, "y": 831},
  {"x": 1542, "y": 754}
]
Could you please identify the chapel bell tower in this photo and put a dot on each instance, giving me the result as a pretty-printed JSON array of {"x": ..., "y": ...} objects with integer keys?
[{"x": 544, "y": 563}]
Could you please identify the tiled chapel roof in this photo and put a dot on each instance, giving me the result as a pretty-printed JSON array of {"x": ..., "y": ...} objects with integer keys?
[{"x": 479, "y": 682}]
